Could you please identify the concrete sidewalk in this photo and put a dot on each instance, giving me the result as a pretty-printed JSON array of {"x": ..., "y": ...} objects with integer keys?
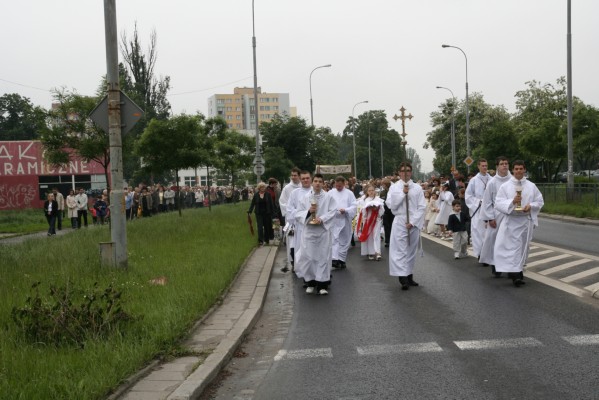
[{"x": 217, "y": 335}]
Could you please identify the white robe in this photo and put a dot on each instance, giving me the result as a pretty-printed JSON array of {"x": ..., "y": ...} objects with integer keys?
[
  {"x": 445, "y": 209},
  {"x": 489, "y": 213},
  {"x": 474, "y": 200},
  {"x": 342, "y": 227},
  {"x": 402, "y": 256},
  {"x": 516, "y": 229},
  {"x": 286, "y": 194},
  {"x": 372, "y": 245},
  {"x": 294, "y": 200},
  {"x": 315, "y": 249}
]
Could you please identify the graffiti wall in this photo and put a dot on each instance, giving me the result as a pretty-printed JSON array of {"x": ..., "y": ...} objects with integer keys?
[{"x": 25, "y": 176}]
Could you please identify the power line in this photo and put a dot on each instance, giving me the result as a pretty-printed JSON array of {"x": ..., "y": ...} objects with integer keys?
[
  {"x": 210, "y": 88},
  {"x": 27, "y": 86}
]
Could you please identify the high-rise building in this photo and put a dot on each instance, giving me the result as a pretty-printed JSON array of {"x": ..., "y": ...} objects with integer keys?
[{"x": 237, "y": 109}]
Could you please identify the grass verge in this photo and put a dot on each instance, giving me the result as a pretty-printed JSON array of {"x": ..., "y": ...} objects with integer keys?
[
  {"x": 22, "y": 221},
  {"x": 199, "y": 255}
]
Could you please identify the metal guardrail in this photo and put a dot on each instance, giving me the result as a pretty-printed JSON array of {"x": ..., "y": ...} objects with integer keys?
[{"x": 582, "y": 193}]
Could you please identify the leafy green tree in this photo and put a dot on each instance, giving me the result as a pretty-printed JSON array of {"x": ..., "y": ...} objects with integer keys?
[
  {"x": 540, "y": 116},
  {"x": 585, "y": 133},
  {"x": 171, "y": 145},
  {"x": 233, "y": 154},
  {"x": 71, "y": 132},
  {"x": 20, "y": 119},
  {"x": 491, "y": 133}
]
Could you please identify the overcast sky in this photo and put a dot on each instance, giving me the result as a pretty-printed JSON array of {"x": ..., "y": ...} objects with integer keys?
[{"x": 385, "y": 51}]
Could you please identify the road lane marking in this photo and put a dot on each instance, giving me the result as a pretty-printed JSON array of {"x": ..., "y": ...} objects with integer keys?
[
  {"x": 582, "y": 340},
  {"x": 377, "y": 350},
  {"x": 303, "y": 354},
  {"x": 540, "y": 253},
  {"x": 548, "y": 260},
  {"x": 564, "y": 266},
  {"x": 580, "y": 275},
  {"x": 497, "y": 344},
  {"x": 592, "y": 288}
]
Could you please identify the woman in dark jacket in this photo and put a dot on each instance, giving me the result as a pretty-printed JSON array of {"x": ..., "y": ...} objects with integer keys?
[
  {"x": 264, "y": 208},
  {"x": 51, "y": 212}
]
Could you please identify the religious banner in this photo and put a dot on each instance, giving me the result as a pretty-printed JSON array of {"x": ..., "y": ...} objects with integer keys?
[{"x": 333, "y": 169}]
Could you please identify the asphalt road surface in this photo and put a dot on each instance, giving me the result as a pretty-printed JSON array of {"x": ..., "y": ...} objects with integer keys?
[
  {"x": 569, "y": 235},
  {"x": 462, "y": 334}
]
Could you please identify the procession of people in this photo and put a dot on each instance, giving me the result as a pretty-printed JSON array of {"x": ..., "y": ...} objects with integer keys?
[{"x": 495, "y": 214}]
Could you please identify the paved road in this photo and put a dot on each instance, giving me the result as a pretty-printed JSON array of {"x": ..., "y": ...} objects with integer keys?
[
  {"x": 573, "y": 236},
  {"x": 462, "y": 334}
]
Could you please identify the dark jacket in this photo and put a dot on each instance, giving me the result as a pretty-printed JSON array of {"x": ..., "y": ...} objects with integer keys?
[
  {"x": 458, "y": 225},
  {"x": 270, "y": 207},
  {"x": 54, "y": 211}
]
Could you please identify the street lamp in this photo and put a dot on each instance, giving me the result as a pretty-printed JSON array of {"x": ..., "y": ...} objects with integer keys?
[
  {"x": 258, "y": 160},
  {"x": 452, "y": 127},
  {"x": 467, "y": 112},
  {"x": 311, "y": 104},
  {"x": 354, "y": 134},
  {"x": 369, "y": 160}
]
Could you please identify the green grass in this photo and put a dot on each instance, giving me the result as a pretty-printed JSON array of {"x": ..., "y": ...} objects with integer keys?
[
  {"x": 199, "y": 254},
  {"x": 585, "y": 203},
  {"x": 23, "y": 221}
]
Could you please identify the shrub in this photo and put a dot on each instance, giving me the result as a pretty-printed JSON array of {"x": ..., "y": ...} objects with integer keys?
[{"x": 70, "y": 316}]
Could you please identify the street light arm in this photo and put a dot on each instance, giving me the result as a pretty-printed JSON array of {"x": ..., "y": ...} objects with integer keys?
[
  {"x": 465, "y": 57},
  {"x": 311, "y": 103}
]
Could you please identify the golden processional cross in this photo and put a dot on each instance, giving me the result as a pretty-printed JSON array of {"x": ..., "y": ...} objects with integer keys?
[{"x": 403, "y": 133}]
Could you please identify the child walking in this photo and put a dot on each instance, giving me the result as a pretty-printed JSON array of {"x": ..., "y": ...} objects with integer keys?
[{"x": 457, "y": 226}]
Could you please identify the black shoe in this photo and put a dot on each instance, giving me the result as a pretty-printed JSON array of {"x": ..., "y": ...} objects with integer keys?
[
  {"x": 411, "y": 280},
  {"x": 284, "y": 269},
  {"x": 386, "y": 244},
  {"x": 518, "y": 282},
  {"x": 342, "y": 264},
  {"x": 404, "y": 283},
  {"x": 336, "y": 264}
]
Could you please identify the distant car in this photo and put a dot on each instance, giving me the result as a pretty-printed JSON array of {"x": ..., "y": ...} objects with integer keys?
[{"x": 562, "y": 177}]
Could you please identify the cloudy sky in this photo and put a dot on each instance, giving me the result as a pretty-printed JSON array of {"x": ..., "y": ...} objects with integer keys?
[{"x": 385, "y": 51}]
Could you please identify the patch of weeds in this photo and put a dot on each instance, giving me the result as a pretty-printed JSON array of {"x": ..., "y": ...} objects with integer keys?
[{"x": 70, "y": 316}]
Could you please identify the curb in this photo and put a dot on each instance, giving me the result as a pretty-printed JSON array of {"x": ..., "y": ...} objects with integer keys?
[{"x": 197, "y": 381}]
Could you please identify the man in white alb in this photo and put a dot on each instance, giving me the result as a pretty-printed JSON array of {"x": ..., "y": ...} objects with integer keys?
[
  {"x": 492, "y": 217},
  {"x": 288, "y": 225},
  {"x": 292, "y": 205},
  {"x": 342, "y": 227},
  {"x": 474, "y": 200},
  {"x": 406, "y": 201},
  {"x": 520, "y": 201}
]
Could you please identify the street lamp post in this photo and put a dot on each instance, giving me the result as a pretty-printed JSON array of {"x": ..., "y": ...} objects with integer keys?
[
  {"x": 369, "y": 159},
  {"x": 311, "y": 103},
  {"x": 354, "y": 134},
  {"x": 467, "y": 111},
  {"x": 258, "y": 165},
  {"x": 382, "y": 169},
  {"x": 452, "y": 127}
]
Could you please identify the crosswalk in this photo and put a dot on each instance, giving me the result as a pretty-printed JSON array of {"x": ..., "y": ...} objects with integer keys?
[
  {"x": 433, "y": 347},
  {"x": 571, "y": 271}
]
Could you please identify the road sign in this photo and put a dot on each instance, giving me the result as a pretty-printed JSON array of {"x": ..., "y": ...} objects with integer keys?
[
  {"x": 130, "y": 114},
  {"x": 468, "y": 161},
  {"x": 258, "y": 169}
]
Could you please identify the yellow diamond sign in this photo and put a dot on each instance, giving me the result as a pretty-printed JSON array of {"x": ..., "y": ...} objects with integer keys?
[{"x": 468, "y": 161}]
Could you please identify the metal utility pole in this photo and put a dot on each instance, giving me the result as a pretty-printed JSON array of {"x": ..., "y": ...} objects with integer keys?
[
  {"x": 117, "y": 200},
  {"x": 569, "y": 97},
  {"x": 258, "y": 160}
]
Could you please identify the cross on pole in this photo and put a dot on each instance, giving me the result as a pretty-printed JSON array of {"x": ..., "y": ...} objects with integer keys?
[{"x": 403, "y": 133}]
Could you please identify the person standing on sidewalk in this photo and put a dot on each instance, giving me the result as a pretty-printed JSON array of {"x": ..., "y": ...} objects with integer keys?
[
  {"x": 346, "y": 211},
  {"x": 264, "y": 208},
  {"x": 316, "y": 213},
  {"x": 81, "y": 207},
  {"x": 406, "y": 202},
  {"x": 51, "y": 211},
  {"x": 521, "y": 201},
  {"x": 72, "y": 208}
]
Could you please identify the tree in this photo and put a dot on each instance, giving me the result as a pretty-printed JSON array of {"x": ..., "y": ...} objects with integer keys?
[
  {"x": 173, "y": 144},
  {"x": 539, "y": 120},
  {"x": 71, "y": 132},
  {"x": 20, "y": 119},
  {"x": 585, "y": 132},
  {"x": 234, "y": 153},
  {"x": 491, "y": 133}
]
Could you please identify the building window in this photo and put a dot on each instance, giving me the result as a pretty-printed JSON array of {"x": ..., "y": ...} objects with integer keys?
[
  {"x": 238, "y": 117},
  {"x": 230, "y": 126},
  {"x": 189, "y": 180},
  {"x": 275, "y": 108},
  {"x": 220, "y": 101},
  {"x": 227, "y": 100},
  {"x": 275, "y": 99},
  {"x": 237, "y": 108}
]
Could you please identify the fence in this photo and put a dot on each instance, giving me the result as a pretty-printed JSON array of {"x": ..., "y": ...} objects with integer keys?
[{"x": 582, "y": 193}]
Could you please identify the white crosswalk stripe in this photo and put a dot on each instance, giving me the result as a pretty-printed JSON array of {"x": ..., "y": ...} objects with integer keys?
[
  {"x": 564, "y": 266},
  {"x": 376, "y": 350},
  {"x": 497, "y": 344},
  {"x": 303, "y": 354},
  {"x": 581, "y": 275},
  {"x": 582, "y": 340}
]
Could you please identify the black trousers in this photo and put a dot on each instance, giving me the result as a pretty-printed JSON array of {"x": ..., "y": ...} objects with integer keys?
[
  {"x": 81, "y": 213},
  {"x": 387, "y": 223},
  {"x": 264, "y": 224}
]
